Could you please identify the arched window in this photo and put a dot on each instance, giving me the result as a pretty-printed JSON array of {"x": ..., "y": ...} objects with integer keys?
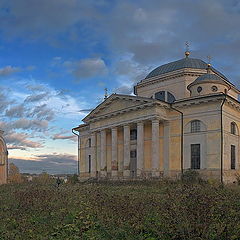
[
  {"x": 160, "y": 95},
  {"x": 165, "y": 96},
  {"x": 170, "y": 98},
  {"x": 233, "y": 128},
  {"x": 195, "y": 126}
]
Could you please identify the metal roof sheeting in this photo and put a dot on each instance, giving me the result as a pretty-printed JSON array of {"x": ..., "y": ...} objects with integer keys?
[{"x": 182, "y": 63}]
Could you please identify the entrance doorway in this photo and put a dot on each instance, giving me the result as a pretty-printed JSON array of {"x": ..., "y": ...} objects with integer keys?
[{"x": 195, "y": 156}]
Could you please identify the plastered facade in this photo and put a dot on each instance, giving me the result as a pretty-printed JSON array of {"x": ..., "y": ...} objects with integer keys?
[{"x": 143, "y": 137}]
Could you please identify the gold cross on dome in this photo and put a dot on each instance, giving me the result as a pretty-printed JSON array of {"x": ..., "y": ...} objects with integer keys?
[
  {"x": 209, "y": 59},
  {"x": 106, "y": 93},
  {"x": 187, "y": 46}
]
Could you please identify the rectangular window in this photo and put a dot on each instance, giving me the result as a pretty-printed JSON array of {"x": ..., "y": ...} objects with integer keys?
[
  {"x": 133, "y": 134},
  {"x": 89, "y": 163},
  {"x": 195, "y": 156},
  {"x": 195, "y": 126},
  {"x": 133, "y": 154},
  {"x": 233, "y": 157},
  {"x": 89, "y": 142}
]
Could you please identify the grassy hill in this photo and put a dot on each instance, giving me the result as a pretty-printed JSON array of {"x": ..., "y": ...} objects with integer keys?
[{"x": 120, "y": 210}]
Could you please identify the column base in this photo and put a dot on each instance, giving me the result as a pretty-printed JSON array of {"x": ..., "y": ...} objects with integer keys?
[
  {"x": 126, "y": 173},
  {"x": 103, "y": 174},
  {"x": 93, "y": 174},
  {"x": 114, "y": 174},
  {"x": 155, "y": 174},
  {"x": 140, "y": 173}
]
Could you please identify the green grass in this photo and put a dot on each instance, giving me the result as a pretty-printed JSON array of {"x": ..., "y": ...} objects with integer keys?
[{"x": 120, "y": 210}]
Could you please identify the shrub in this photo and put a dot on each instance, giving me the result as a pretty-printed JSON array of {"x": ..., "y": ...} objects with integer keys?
[
  {"x": 73, "y": 179},
  {"x": 191, "y": 176},
  {"x": 14, "y": 174}
]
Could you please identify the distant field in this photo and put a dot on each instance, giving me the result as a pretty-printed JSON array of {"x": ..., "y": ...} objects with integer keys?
[{"x": 129, "y": 210}]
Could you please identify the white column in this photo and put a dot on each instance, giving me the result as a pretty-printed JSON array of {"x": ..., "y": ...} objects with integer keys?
[
  {"x": 103, "y": 153},
  {"x": 140, "y": 148},
  {"x": 114, "y": 151},
  {"x": 93, "y": 154},
  {"x": 126, "y": 161},
  {"x": 155, "y": 148},
  {"x": 166, "y": 138}
]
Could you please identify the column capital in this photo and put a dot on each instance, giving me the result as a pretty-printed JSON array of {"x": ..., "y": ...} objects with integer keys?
[
  {"x": 140, "y": 122},
  {"x": 93, "y": 133},
  {"x": 114, "y": 128},
  {"x": 155, "y": 120},
  {"x": 126, "y": 126}
]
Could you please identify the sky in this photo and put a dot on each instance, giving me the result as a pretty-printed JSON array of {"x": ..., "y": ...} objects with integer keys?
[{"x": 57, "y": 56}]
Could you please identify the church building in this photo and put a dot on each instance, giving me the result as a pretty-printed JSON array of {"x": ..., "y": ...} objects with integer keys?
[{"x": 184, "y": 115}]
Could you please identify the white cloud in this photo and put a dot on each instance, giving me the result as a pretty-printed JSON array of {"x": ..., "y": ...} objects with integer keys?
[{"x": 86, "y": 68}]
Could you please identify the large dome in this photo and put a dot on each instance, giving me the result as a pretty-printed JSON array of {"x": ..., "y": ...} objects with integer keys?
[{"x": 180, "y": 64}]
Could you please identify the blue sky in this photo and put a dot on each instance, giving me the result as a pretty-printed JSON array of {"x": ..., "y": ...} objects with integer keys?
[{"x": 57, "y": 56}]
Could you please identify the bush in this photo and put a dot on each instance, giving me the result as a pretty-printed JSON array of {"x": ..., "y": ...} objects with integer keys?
[
  {"x": 43, "y": 178},
  {"x": 191, "y": 176},
  {"x": 14, "y": 174},
  {"x": 73, "y": 179}
]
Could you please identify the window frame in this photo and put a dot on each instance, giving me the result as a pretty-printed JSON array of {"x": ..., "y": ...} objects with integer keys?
[
  {"x": 89, "y": 163},
  {"x": 133, "y": 134},
  {"x": 195, "y": 126},
  {"x": 89, "y": 142},
  {"x": 233, "y": 157},
  {"x": 195, "y": 159},
  {"x": 233, "y": 128}
]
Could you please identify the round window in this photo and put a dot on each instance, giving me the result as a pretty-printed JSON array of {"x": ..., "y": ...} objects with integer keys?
[
  {"x": 214, "y": 88},
  {"x": 199, "y": 89}
]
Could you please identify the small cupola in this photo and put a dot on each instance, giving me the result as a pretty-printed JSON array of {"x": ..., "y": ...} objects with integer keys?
[{"x": 208, "y": 83}]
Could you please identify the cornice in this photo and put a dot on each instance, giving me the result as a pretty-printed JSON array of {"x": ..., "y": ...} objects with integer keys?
[
  {"x": 198, "y": 100},
  {"x": 233, "y": 103},
  {"x": 171, "y": 75},
  {"x": 126, "y": 110}
]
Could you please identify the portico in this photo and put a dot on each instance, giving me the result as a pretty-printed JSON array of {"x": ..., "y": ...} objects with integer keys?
[{"x": 122, "y": 150}]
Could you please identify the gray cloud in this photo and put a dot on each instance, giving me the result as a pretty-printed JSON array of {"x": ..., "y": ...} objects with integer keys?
[
  {"x": 21, "y": 140},
  {"x": 36, "y": 87},
  {"x": 12, "y": 147},
  {"x": 51, "y": 163},
  {"x": 43, "y": 112},
  {"x": 64, "y": 137},
  {"x": 42, "y": 18},
  {"x": 37, "y": 97},
  {"x": 29, "y": 124},
  {"x": 8, "y": 70},
  {"x": 86, "y": 68},
  {"x": 17, "y": 111}
]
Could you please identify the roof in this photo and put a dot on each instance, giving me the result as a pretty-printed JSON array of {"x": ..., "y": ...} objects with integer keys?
[
  {"x": 186, "y": 62},
  {"x": 210, "y": 77}
]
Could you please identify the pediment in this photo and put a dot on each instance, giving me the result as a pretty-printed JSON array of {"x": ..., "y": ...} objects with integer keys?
[{"x": 118, "y": 103}]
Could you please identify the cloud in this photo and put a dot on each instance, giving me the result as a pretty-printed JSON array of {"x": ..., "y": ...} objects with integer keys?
[
  {"x": 21, "y": 140},
  {"x": 27, "y": 124},
  {"x": 37, "y": 97},
  {"x": 36, "y": 87},
  {"x": 17, "y": 111},
  {"x": 42, "y": 18},
  {"x": 87, "y": 68},
  {"x": 43, "y": 112},
  {"x": 63, "y": 137},
  {"x": 12, "y": 147},
  {"x": 51, "y": 163},
  {"x": 8, "y": 70}
]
